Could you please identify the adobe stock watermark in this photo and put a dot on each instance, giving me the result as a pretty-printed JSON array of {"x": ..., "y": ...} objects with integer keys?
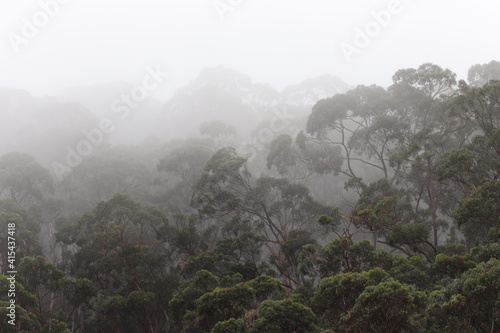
[
  {"x": 363, "y": 36},
  {"x": 278, "y": 124},
  {"x": 224, "y": 6},
  {"x": 31, "y": 26},
  {"x": 122, "y": 106}
]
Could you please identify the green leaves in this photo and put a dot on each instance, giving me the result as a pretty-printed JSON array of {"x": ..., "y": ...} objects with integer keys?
[
  {"x": 471, "y": 302},
  {"x": 481, "y": 211},
  {"x": 337, "y": 294},
  {"x": 26, "y": 231},
  {"x": 428, "y": 78},
  {"x": 284, "y": 316},
  {"x": 339, "y": 256},
  {"x": 203, "y": 304},
  {"x": 386, "y": 307},
  {"x": 327, "y": 112},
  {"x": 416, "y": 154},
  {"x": 121, "y": 262},
  {"x": 222, "y": 304},
  {"x": 281, "y": 153},
  {"x": 453, "y": 266}
]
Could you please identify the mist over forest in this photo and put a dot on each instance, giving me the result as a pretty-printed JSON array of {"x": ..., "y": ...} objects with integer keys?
[{"x": 248, "y": 178}]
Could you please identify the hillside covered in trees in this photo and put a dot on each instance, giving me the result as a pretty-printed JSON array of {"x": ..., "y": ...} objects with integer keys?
[{"x": 320, "y": 208}]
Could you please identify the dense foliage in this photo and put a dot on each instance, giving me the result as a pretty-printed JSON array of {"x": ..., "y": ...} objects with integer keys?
[{"x": 194, "y": 235}]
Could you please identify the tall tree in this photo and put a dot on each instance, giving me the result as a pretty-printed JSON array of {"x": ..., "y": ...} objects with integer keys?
[
  {"x": 119, "y": 250},
  {"x": 277, "y": 208},
  {"x": 22, "y": 179},
  {"x": 182, "y": 165},
  {"x": 422, "y": 99},
  {"x": 479, "y": 75},
  {"x": 471, "y": 302}
]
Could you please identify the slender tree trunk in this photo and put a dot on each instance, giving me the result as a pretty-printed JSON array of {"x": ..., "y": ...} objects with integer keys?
[
  {"x": 288, "y": 287},
  {"x": 167, "y": 320},
  {"x": 150, "y": 323},
  {"x": 82, "y": 324},
  {"x": 433, "y": 209}
]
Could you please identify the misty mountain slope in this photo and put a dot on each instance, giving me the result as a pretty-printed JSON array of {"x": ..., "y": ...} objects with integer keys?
[
  {"x": 15, "y": 104},
  {"x": 217, "y": 93},
  {"x": 98, "y": 98},
  {"x": 35, "y": 124},
  {"x": 133, "y": 119},
  {"x": 228, "y": 95},
  {"x": 309, "y": 91}
]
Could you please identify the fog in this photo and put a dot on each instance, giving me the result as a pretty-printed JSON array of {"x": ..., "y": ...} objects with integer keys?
[
  {"x": 160, "y": 69},
  {"x": 154, "y": 154},
  {"x": 279, "y": 42},
  {"x": 135, "y": 70}
]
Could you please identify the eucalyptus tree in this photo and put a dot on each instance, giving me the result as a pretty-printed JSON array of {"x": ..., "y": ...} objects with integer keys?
[
  {"x": 480, "y": 212},
  {"x": 362, "y": 124},
  {"x": 475, "y": 166},
  {"x": 281, "y": 212},
  {"x": 480, "y": 74},
  {"x": 336, "y": 294},
  {"x": 100, "y": 176},
  {"x": 423, "y": 99},
  {"x": 118, "y": 248},
  {"x": 182, "y": 165},
  {"x": 218, "y": 132},
  {"x": 17, "y": 223},
  {"x": 470, "y": 303},
  {"x": 23, "y": 180},
  {"x": 389, "y": 306}
]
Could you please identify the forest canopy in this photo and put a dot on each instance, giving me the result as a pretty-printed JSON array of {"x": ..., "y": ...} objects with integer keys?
[{"x": 372, "y": 210}]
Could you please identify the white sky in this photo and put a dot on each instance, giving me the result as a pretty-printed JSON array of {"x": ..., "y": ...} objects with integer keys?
[{"x": 280, "y": 42}]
